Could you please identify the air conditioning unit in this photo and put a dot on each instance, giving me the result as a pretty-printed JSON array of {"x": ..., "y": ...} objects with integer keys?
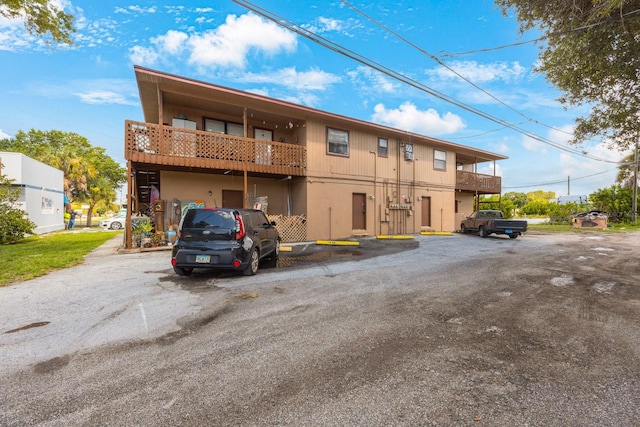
[{"x": 408, "y": 151}]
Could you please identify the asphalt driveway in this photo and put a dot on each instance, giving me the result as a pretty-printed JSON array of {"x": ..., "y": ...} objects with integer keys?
[{"x": 459, "y": 330}]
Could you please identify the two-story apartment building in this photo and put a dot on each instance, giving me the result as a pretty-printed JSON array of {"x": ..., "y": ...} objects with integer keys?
[{"x": 321, "y": 175}]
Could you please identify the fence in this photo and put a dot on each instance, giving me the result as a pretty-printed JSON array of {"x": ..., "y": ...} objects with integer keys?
[{"x": 291, "y": 228}]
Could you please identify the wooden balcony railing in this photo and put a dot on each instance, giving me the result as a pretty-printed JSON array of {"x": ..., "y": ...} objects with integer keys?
[
  {"x": 165, "y": 145},
  {"x": 483, "y": 184}
]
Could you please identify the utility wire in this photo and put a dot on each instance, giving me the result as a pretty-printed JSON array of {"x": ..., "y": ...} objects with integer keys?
[
  {"x": 444, "y": 65},
  {"x": 291, "y": 26},
  {"x": 558, "y": 33},
  {"x": 559, "y": 181}
]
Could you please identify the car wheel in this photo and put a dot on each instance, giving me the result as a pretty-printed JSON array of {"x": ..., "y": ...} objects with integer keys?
[
  {"x": 115, "y": 225},
  {"x": 513, "y": 236},
  {"x": 482, "y": 232},
  {"x": 183, "y": 271},
  {"x": 463, "y": 229},
  {"x": 254, "y": 260}
]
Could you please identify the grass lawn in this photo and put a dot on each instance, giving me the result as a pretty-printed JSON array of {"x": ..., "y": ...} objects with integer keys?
[
  {"x": 39, "y": 255},
  {"x": 554, "y": 228}
]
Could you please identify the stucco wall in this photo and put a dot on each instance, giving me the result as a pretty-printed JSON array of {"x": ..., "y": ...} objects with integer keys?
[
  {"x": 42, "y": 190},
  {"x": 196, "y": 186}
]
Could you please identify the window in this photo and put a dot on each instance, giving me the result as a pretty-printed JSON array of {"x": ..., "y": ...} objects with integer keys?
[
  {"x": 383, "y": 147},
  {"x": 439, "y": 160},
  {"x": 218, "y": 126},
  {"x": 337, "y": 142}
]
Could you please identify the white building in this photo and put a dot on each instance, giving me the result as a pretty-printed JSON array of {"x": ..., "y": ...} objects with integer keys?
[{"x": 42, "y": 187}]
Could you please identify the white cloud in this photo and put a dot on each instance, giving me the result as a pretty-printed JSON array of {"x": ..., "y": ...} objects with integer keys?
[
  {"x": 534, "y": 145},
  {"x": 480, "y": 73},
  {"x": 135, "y": 9},
  {"x": 227, "y": 46},
  {"x": 98, "y": 91},
  {"x": 427, "y": 122},
  {"x": 143, "y": 55},
  {"x": 558, "y": 136},
  {"x": 585, "y": 175},
  {"x": 230, "y": 44},
  {"x": 368, "y": 78},
  {"x": 4, "y": 135},
  {"x": 97, "y": 97},
  {"x": 172, "y": 42},
  {"x": 325, "y": 25},
  {"x": 313, "y": 79},
  {"x": 488, "y": 169}
]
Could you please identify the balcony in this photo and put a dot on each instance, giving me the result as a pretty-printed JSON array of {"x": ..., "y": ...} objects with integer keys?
[
  {"x": 476, "y": 182},
  {"x": 165, "y": 145}
]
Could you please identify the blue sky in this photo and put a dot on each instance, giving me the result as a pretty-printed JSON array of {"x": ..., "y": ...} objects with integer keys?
[{"x": 465, "y": 51}]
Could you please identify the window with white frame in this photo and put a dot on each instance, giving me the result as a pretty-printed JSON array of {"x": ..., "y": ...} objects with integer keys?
[
  {"x": 383, "y": 147},
  {"x": 439, "y": 160},
  {"x": 337, "y": 142}
]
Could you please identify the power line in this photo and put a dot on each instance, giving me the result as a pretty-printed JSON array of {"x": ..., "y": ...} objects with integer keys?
[
  {"x": 558, "y": 33},
  {"x": 558, "y": 181},
  {"x": 444, "y": 65},
  {"x": 291, "y": 26}
]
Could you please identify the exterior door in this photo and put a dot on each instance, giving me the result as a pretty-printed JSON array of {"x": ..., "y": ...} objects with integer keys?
[
  {"x": 359, "y": 214},
  {"x": 232, "y": 199},
  {"x": 426, "y": 211}
]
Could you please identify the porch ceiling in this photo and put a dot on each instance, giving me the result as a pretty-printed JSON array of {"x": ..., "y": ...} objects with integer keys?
[{"x": 206, "y": 97}]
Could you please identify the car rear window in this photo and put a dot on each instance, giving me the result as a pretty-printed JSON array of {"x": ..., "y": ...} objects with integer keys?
[{"x": 209, "y": 218}]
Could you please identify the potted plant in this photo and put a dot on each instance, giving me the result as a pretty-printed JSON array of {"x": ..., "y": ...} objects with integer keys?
[{"x": 140, "y": 230}]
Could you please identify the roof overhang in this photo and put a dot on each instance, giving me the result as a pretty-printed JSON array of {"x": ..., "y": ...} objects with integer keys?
[{"x": 156, "y": 87}]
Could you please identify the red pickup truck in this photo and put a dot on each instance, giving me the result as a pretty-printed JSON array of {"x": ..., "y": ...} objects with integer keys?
[{"x": 487, "y": 222}]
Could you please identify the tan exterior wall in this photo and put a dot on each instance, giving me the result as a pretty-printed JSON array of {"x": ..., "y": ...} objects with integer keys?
[
  {"x": 392, "y": 180},
  {"x": 465, "y": 207},
  {"x": 196, "y": 186}
]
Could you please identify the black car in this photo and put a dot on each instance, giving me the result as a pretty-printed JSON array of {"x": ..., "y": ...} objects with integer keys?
[{"x": 222, "y": 238}]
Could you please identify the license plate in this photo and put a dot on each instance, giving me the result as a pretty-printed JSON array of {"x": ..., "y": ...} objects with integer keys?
[
  {"x": 203, "y": 259},
  {"x": 508, "y": 231}
]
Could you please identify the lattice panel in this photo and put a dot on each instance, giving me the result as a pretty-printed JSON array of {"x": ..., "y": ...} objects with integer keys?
[{"x": 291, "y": 228}]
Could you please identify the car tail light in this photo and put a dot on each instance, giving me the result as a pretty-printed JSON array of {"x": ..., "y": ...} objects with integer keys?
[
  {"x": 239, "y": 227},
  {"x": 236, "y": 263}
]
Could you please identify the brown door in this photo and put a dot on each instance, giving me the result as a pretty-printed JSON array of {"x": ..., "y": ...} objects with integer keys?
[
  {"x": 359, "y": 211},
  {"x": 426, "y": 211},
  {"x": 232, "y": 199}
]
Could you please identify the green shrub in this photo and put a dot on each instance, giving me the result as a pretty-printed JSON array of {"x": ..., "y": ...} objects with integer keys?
[{"x": 14, "y": 224}]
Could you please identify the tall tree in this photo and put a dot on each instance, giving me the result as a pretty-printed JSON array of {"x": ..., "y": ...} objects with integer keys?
[
  {"x": 626, "y": 171},
  {"x": 41, "y": 17},
  {"x": 90, "y": 175},
  {"x": 590, "y": 52}
]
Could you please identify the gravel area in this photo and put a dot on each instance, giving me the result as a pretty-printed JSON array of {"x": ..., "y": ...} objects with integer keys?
[{"x": 458, "y": 330}]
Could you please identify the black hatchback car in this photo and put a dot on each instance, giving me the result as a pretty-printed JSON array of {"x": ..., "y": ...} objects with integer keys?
[{"x": 225, "y": 239}]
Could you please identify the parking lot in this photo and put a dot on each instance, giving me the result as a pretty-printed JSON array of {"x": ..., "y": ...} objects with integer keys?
[{"x": 441, "y": 330}]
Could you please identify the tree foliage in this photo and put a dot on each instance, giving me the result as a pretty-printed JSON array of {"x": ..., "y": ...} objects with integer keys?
[
  {"x": 616, "y": 200},
  {"x": 41, "y": 17},
  {"x": 626, "y": 171},
  {"x": 90, "y": 175},
  {"x": 14, "y": 224},
  {"x": 591, "y": 54},
  {"x": 518, "y": 199}
]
